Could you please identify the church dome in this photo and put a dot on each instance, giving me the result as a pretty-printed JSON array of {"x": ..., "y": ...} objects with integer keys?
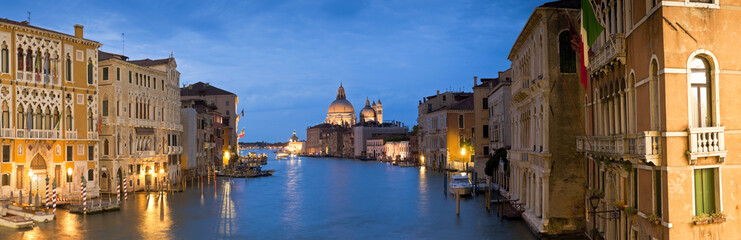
[
  {"x": 341, "y": 106},
  {"x": 341, "y": 111},
  {"x": 367, "y": 114}
]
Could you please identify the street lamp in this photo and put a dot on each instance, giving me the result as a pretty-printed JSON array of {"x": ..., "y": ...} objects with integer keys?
[
  {"x": 594, "y": 202},
  {"x": 69, "y": 179}
]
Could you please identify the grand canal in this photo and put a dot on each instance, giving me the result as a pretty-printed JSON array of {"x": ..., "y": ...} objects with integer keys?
[{"x": 307, "y": 198}]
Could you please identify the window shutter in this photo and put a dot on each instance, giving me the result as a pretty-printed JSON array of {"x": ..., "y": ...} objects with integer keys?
[
  {"x": 699, "y": 206},
  {"x": 708, "y": 189}
]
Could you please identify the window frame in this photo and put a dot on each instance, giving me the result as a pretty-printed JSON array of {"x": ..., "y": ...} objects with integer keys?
[
  {"x": 714, "y": 82},
  {"x": 718, "y": 181}
]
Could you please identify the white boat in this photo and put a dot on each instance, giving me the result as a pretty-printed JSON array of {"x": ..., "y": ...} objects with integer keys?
[
  {"x": 13, "y": 221},
  {"x": 459, "y": 184},
  {"x": 30, "y": 212},
  {"x": 281, "y": 155}
]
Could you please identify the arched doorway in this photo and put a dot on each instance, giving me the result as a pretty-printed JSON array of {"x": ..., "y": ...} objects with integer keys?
[
  {"x": 38, "y": 168},
  {"x": 104, "y": 181}
]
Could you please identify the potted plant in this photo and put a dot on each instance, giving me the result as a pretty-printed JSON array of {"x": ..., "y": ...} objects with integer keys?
[
  {"x": 654, "y": 219},
  {"x": 619, "y": 204},
  {"x": 631, "y": 211},
  {"x": 718, "y": 217},
  {"x": 701, "y": 219}
]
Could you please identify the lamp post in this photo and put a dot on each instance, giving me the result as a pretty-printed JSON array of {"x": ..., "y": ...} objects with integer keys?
[
  {"x": 594, "y": 202},
  {"x": 69, "y": 179}
]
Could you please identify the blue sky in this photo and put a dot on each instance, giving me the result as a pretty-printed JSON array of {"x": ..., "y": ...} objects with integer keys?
[{"x": 285, "y": 59}]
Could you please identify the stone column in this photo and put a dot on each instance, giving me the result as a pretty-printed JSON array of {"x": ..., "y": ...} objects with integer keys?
[
  {"x": 546, "y": 197},
  {"x": 622, "y": 112}
]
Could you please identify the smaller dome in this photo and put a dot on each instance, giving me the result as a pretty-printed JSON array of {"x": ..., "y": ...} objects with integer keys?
[{"x": 367, "y": 114}]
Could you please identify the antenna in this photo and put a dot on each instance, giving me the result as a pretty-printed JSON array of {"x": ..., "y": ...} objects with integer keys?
[
  {"x": 123, "y": 44},
  {"x": 29, "y": 17}
]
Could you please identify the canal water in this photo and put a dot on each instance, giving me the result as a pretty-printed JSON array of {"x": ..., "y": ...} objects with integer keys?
[{"x": 307, "y": 198}]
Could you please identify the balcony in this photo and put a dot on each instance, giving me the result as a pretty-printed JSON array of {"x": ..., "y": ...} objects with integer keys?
[
  {"x": 71, "y": 134},
  {"x": 645, "y": 145},
  {"x": 7, "y": 133},
  {"x": 92, "y": 135},
  {"x": 43, "y": 134},
  {"x": 707, "y": 142},
  {"x": 607, "y": 51},
  {"x": 146, "y": 154}
]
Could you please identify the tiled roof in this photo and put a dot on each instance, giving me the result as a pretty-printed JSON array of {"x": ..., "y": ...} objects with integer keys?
[
  {"x": 106, "y": 55},
  {"x": 149, "y": 62},
  {"x": 25, "y": 24},
  {"x": 466, "y": 104},
  {"x": 200, "y": 88}
]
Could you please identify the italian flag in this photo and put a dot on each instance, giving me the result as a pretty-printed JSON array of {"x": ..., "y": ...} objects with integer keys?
[{"x": 590, "y": 30}]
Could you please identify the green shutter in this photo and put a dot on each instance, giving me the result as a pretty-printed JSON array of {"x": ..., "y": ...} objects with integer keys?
[
  {"x": 708, "y": 190},
  {"x": 699, "y": 206}
]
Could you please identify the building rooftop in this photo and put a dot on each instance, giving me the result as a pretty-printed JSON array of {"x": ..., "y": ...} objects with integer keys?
[
  {"x": 26, "y": 24},
  {"x": 149, "y": 62},
  {"x": 106, "y": 55},
  {"x": 201, "y": 89}
]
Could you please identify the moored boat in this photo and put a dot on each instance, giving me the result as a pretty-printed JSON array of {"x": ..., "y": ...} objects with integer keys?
[
  {"x": 13, "y": 221},
  {"x": 35, "y": 214},
  {"x": 460, "y": 185}
]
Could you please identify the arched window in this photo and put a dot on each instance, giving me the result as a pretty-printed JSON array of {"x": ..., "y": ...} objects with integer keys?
[
  {"x": 460, "y": 121},
  {"x": 56, "y": 119},
  {"x": 68, "y": 68},
  {"x": 29, "y": 60},
  {"x": 105, "y": 147},
  {"x": 90, "y": 71},
  {"x": 700, "y": 93},
  {"x": 5, "y": 59},
  {"x": 47, "y": 119},
  {"x": 6, "y": 115},
  {"x": 19, "y": 60},
  {"x": 6, "y": 179},
  {"x": 21, "y": 124},
  {"x": 655, "y": 98},
  {"x": 90, "y": 175},
  {"x": 68, "y": 119},
  {"x": 565, "y": 53},
  {"x": 38, "y": 123}
]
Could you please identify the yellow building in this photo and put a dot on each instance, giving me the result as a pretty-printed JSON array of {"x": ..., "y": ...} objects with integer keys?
[
  {"x": 445, "y": 121},
  {"x": 662, "y": 119},
  {"x": 48, "y": 95}
]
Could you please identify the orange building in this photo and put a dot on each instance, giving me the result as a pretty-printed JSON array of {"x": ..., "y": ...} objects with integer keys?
[{"x": 662, "y": 119}]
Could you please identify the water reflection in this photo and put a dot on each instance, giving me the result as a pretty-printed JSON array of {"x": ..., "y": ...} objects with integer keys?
[
  {"x": 307, "y": 198},
  {"x": 227, "y": 214}
]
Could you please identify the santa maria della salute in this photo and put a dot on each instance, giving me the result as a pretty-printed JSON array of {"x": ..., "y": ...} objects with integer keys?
[
  {"x": 341, "y": 111},
  {"x": 345, "y": 134}
]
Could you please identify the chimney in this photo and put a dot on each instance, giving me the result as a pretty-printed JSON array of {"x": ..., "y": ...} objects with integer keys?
[
  {"x": 78, "y": 30},
  {"x": 438, "y": 92},
  {"x": 474, "y": 80}
]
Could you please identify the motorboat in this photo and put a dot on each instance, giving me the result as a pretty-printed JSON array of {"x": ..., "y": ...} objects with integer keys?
[
  {"x": 34, "y": 213},
  {"x": 281, "y": 155},
  {"x": 14, "y": 221},
  {"x": 460, "y": 185}
]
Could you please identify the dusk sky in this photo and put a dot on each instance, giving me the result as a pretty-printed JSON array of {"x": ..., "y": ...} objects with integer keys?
[{"x": 285, "y": 59}]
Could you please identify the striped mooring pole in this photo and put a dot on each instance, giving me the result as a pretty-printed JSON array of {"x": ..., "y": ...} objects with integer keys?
[
  {"x": 84, "y": 195},
  {"x": 54, "y": 197},
  {"x": 126, "y": 191},
  {"x": 118, "y": 190},
  {"x": 47, "y": 192}
]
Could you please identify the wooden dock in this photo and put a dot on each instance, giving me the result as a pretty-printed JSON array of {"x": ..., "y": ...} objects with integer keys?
[{"x": 95, "y": 207}]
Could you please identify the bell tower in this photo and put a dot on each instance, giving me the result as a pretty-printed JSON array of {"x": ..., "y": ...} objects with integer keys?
[{"x": 379, "y": 111}]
